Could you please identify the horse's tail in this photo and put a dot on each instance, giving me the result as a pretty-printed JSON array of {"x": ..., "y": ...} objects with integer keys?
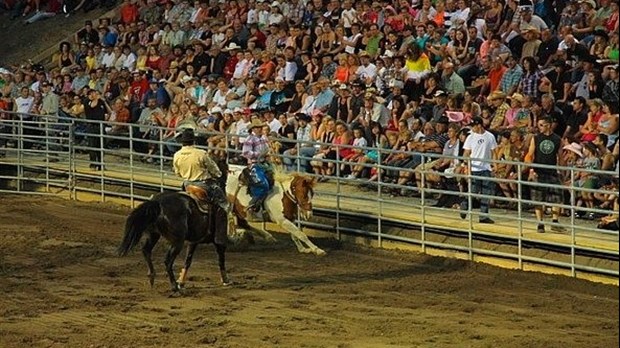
[{"x": 137, "y": 222}]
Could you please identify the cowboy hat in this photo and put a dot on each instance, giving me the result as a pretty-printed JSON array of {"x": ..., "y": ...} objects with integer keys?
[
  {"x": 397, "y": 84},
  {"x": 602, "y": 33},
  {"x": 592, "y": 3},
  {"x": 440, "y": 93},
  {"x": 187, "y": 137},
  {"x": 387, "y": 54},
  {"x": 496, "y": 95},
  {"x": 256, "y": 122},
  {"x": 518, "y": 97},
  {"x": 455, "y": 116},
  {"x": 529, "y": 27},
  {"x": 231, "y": 46},
  {"x": 364, "y": 54},
  {"x": 574, "y": 147}
]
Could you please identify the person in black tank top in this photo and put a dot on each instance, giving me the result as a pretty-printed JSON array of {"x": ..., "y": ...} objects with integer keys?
[{"x": 544, "y": 150}]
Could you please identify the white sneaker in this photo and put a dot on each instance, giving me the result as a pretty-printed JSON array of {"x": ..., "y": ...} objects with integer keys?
[{"x": 351, "y": 177}]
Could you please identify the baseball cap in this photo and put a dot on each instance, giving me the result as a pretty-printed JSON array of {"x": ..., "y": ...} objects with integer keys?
[{"x": 476, "y": 121}]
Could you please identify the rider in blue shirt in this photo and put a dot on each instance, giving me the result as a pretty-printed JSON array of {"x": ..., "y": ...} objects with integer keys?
[{"x": 255, "y": 150}]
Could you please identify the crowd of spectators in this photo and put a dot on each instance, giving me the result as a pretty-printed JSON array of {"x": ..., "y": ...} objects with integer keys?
[
  {"x": 388, "y": 74},
  {"x": 31, "y": 11}
]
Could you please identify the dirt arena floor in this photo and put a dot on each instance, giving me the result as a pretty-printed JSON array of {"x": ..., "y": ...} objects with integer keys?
[{"x": 63, "y": 286}]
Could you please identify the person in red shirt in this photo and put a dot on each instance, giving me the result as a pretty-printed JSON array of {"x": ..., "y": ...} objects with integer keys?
[
  {"x": 231, "y": 63},
  {"x": 139, "y": 86},
  {"x": 495, "y": 74},
  {"x": 129, "y": 12}
]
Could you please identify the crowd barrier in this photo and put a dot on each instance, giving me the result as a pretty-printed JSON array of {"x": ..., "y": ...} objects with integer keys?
[{"x": 57, "y": 148}]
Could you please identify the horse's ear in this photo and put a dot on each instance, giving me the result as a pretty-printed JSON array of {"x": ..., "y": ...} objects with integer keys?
[{"x": 312, "y": 181}]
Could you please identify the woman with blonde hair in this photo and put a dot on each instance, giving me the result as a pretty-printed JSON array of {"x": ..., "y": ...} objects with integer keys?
[{"x": 342, "y": 73}]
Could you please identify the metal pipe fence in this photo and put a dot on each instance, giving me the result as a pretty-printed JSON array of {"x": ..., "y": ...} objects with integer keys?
[{"x": 57, "y": 154}]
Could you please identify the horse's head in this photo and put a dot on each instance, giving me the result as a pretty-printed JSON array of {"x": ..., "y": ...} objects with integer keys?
[{"x": 302, "y": 190}]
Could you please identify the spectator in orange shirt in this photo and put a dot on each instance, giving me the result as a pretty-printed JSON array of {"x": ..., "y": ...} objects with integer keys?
[
  {"x": 495, "y": 74},
  {"x": 129, "y": 12}
]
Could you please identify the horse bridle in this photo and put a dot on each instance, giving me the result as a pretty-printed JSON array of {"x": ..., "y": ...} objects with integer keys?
[{"x": 293, "y": 196}]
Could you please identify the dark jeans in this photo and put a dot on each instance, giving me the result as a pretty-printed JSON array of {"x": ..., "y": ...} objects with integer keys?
[
  {"x": 480, "y": 184},
  {"x": 94, "y": 144}
]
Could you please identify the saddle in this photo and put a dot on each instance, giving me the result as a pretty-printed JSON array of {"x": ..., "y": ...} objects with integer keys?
[{"x": 199, "y": 195}]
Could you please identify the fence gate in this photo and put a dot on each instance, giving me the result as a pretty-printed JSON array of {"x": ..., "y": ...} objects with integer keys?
[{"x": 36, "y": 154}]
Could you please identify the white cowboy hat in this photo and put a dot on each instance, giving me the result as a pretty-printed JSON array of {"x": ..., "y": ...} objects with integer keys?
[
  {"x": 388, "y": 54},
  {"x": 574, "y": 147},
  {"x": 231, "y": 46}
]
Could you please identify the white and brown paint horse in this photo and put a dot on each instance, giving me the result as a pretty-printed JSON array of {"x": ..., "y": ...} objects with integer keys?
[{"x": 291, "y": 194}]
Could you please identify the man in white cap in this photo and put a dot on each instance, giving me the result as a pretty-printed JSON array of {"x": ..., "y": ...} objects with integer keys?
[{"x": 478, "y": 151}]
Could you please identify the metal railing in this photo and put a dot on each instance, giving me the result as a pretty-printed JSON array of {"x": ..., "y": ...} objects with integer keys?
[{"x": 52, "y": 152}]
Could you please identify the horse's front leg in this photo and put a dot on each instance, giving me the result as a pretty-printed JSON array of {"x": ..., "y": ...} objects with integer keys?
[
  {"x": 171, "y": 255},
  {"x": 221, "y": 259},
  {"x": 191, "y": 248},
  {"x": 302, "y": 238}
]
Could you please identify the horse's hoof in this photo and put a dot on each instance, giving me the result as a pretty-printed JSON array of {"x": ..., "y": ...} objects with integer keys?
[
  {"x": 177, "y": 287},
  {"x": 320, "y": 252},
  {"x": 175, "y": 294},
  {"x": 306, "y": 251}
]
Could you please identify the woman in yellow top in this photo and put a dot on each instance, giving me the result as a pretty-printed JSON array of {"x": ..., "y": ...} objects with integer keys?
[
  {"x": 417, "y": 67},
  {"x": 141, "y": 60},
  {"x": 91, "y": 60}
]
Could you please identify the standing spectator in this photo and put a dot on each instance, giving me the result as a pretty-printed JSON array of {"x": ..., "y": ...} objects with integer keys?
[
  {"x": 95, "y": 110},
  {"x": 478, "y": 149},
  {"x": 545, "y": 149}
]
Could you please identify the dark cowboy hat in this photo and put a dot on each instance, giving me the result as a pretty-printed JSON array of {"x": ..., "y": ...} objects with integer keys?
[
  {"x": 187, "y": 137},
  {"x": 588, "y": 59},
  {"x": 602, "y": 33}
]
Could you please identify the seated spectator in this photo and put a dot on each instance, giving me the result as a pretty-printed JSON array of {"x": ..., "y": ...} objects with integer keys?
[
  {"x": 429, "y": 174},
  {"x": 358, "y": 151},
  {"x": 378, "y": 143},
  {"x": 325, "y": 151}
]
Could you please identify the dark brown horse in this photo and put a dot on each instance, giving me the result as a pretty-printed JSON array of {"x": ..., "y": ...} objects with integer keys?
[{"x": 176, "y": 217}]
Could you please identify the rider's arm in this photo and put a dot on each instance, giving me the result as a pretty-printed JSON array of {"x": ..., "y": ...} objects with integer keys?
[{"x": 211, "y": 167}]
